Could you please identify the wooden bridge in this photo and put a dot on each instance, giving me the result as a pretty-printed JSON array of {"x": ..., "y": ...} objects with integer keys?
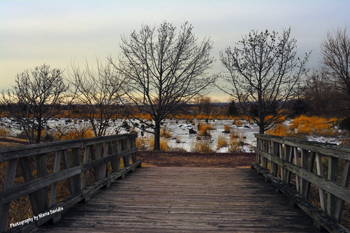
[{"x": 175, "y": 199}]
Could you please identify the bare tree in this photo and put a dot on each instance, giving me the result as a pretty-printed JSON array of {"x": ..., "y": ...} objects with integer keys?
[
  {"x": 336, "y": 59},
  {"x": 263, "y": 71},
  {"x": 100, "y": 93},
  {"x": 321, "y": 95},
  {"x": 205, "y": 105},
  {"x": 165, "y": 69},
  {"x": 37, "y": 97}
]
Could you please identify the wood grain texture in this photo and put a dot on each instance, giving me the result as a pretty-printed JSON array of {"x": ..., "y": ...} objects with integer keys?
[{"x": 183, "y": 199}]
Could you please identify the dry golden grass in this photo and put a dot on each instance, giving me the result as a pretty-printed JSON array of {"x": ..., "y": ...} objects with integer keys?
[
  {"x": 146, "y": 143},
  {"x": 304, "y": 125},
  {"x": 313, "y": 126},
  {"x": 74, "y": 134},
  {"x": 279, "y": 130},
  {"x": 202, "y": 146},
  {"x": 164, "y": 132},
  {"x": 236, "y": 143},
  {"x": 204, "y": 129},
  {"x": 237, "y": 122},
  {"x": 222, "y": 142},
  {"x": 3, "y": 132},
  {"x": 227, "y": 128}
]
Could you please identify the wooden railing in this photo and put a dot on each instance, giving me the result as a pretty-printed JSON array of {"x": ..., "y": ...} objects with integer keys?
[
  {"x": 97, "y": 157},
  {"x": 290, "y": 165}
]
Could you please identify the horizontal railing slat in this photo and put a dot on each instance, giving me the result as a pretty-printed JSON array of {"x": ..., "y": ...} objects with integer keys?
[
  {"x": 31, "y": 186},
  {"x": 102, "y": 153},
  {"x": 331, "y": 194},
  {"x": 17, "y": 152},
  {"x": 323, "y": 148},
  {"x": 329, "y": 186}
]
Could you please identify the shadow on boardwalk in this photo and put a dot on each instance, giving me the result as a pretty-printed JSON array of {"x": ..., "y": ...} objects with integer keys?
[{"x": 184, "y": 199}]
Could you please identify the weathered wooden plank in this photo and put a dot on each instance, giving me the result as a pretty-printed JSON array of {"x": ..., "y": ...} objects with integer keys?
[
  {"x": 9, "y": 153},
  {"x": 329, "y": 186},
  {"x": 9, "y": 181},
  {"x": 186, "y": 200}
]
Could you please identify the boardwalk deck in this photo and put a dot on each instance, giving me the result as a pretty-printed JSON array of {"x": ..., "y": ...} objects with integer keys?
[{"x": 186, "y": 199}]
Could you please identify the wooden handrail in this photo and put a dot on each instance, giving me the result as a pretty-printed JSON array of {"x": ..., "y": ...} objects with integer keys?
[
  {"x": 294, "y": 156},
  {"x": 78, "y": 157}
]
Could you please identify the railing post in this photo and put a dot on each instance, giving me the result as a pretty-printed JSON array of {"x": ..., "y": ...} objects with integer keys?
[
  {"x": 41, "y": 166},
  {"x": 56, "y": 168},
  {"x": 116, "y": 162},
  {"x": 9, "y": 181},
  {"x": 75, "y": 163},
  {"x": 344, "y": 182},
  {"x": 322, "y": 193},
  {"x": 258, "y": 144},
  {"x": 303, "y": 182},
  {"x": 27, "y": 175},
  {"x": 133, "y": 145},
  {"x": 126, "y": 157},
  {"x": 86, "y": 159},
  {"x": 275, "y": 153},
  {"x": 332, "y": 175}
]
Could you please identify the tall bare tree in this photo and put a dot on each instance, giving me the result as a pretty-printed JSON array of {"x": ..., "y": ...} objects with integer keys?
[
  {"x": 263, "y": 71},
  {"x": 38, "y": 96},
  {"x": 165, "y": 69},
  {"x": 336, "y": 59},
  {"x": 100, "y": 93}
]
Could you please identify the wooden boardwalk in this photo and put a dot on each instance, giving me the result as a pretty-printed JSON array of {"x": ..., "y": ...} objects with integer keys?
[{"x": 183, "y": 199}]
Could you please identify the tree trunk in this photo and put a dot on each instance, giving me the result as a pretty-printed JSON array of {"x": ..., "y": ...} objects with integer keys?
[
  {"x": 157, "y": 136},
  {"x": 261, "y": 128}
]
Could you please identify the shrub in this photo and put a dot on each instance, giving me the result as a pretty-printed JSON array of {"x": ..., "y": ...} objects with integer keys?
[
  {"x": 278, "y": 130},
  {"x": 164, "y": 144},
  {"x": 3, "y": 132},
  {"x": 145, "y": 143},
  {"x": 312, "y": 126},
  {"x": 74, "y": 134},
  {"x": 201, "y": 146},
  {"x": 222, "y": 142},
  {"x": 237, "y": 122},
  {"x": 236, "y": 142},
  {"x": 345, "y": 123},
  {"x": 227, "y": 129},
  {"x": 204, "y": 130},
  {"x": 164, "y": 132}
]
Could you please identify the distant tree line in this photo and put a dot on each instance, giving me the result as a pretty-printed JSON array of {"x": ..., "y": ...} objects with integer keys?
[{"x": 162, "y": 70}]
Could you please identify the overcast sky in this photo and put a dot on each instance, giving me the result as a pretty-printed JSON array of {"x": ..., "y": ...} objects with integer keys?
[{"x": 59, "y": 32}]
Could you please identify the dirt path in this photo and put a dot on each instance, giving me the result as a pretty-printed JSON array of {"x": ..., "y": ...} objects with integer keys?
[{"x": 174, "y": 159}]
